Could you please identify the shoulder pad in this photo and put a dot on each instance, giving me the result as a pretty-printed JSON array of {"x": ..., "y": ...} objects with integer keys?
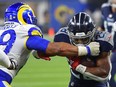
[
  {"x": 62, "y": 31},
  {"x": 104, "y": 36},
  {"x": 35, "y": 30}
]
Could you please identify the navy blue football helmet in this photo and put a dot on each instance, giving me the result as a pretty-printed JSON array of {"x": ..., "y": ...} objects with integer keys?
[
  {"x": 81, "y": 29},
  {"x": 21, "y": 13}
]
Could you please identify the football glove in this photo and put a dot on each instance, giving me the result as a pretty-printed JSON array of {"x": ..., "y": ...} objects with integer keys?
[
  {"x": 39, "y": 55},
  {"x": 74, "y": 62},
  {"x": 91, "y": 49},
  {"x": 14, "y": 64}
]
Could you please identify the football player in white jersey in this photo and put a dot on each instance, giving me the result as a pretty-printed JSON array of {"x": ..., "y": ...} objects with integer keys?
[{"x": 20, "y": 35}]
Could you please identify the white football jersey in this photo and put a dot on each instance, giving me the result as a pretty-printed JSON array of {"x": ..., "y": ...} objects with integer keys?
[{"x": 13, "y": 38}]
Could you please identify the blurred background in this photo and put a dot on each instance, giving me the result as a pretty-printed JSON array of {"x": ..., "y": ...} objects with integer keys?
[{"x": 51, "y": 15}]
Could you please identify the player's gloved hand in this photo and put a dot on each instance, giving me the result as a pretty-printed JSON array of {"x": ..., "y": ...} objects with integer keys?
[
  {"x": 92, "y": 49},
  {"x": 13, "y": 64},
  {"x": 39, "y": 55},
  {"x": 74, "y": 62},
  {"x": 45, "y": 57}
]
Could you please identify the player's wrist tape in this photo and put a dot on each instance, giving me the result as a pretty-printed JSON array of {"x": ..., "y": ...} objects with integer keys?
[
  {"x": 80, "y": 68},
  {"x": 88, "y": 50},
  {"x": 82, "y": 51}
]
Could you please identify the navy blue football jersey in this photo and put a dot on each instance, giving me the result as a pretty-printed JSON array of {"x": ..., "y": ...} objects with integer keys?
[
  {"x": 109, "y": 21},
  {"x": 104, "y": 38}
]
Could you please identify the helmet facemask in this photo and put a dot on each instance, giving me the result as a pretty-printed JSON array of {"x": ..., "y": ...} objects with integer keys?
[{"x": 81, "y": 38}]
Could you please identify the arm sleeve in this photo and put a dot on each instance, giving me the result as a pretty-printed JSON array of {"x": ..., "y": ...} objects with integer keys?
[{"x": 37, "y": 43}]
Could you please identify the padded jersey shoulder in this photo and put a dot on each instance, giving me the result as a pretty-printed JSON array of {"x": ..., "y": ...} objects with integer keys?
[
  {"x": 105, "y": 39},
  {"x": 32, "y": 30},
  {"x": 62, "y": 35},
  {"x": 63, "y": 31},
  {"x": 104, "y": 36}
]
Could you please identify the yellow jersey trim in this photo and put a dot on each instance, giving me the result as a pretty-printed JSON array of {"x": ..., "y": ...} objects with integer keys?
[{"x": 6, "y": 84}]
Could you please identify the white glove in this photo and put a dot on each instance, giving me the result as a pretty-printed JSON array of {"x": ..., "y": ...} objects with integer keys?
[
  {"x": 34, "y": 53},
  {"x": 13, "y": 64},
  {"x": 91, "y": 49}
]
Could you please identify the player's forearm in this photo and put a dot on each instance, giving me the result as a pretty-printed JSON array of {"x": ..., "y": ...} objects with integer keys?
[
  {"x": 61, "y": 49},
  {"x": 52, "y": 49},
  {"x": 103, "y": 65},
  {"x": 93, "y": 73},
  {"x": 98, "y": 71},
  {"x": 98, "y": 74},
  {"x": 65, "y": 49}
]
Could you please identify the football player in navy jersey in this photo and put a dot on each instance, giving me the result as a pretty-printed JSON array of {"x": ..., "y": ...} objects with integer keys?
[
  {"x": 20, "y": 35},
  {"x": 87, "y": 71},
  {"x": 109, "y": 24}
]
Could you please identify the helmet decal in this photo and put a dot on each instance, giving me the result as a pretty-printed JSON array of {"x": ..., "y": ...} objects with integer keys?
[{"x": 21, "y": 13}]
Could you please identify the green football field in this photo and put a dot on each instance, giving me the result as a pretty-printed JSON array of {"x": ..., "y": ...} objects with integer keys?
[{"x": 41, "y": 73}]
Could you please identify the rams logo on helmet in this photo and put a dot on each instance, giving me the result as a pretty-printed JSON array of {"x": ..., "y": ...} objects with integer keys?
[{"x": 21, "y": 13}]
